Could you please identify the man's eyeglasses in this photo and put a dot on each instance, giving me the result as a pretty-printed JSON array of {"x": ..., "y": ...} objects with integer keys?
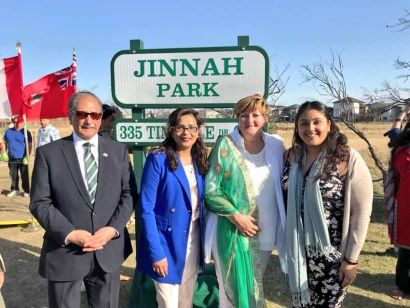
[
  {"x": 182, "y": 128},
  {"x": 82, "y": 115}
]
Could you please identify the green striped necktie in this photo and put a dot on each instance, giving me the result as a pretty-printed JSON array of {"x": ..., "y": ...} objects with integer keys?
[{"x": 91, "y": 171}]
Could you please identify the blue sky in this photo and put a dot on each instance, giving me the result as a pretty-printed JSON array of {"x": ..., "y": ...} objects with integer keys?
[{"x": 293, "y": 31}]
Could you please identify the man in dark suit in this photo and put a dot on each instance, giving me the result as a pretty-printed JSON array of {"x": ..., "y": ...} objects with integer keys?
[{"x": 84, "y": 218}]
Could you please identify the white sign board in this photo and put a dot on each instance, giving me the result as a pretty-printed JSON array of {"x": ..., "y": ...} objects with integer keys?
[
  {"x": 152, "y": 132},
  {"x": 205, "y": 77}
]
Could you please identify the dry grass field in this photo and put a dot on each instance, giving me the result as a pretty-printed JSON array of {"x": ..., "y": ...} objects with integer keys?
[{"x": 25, "y": 288}]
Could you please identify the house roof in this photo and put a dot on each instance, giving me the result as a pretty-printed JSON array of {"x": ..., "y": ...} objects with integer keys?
[
  {"x": 377, "y": 105},
  {"x": 294, "y": 106},
  {"x": 350, "y": 100}
]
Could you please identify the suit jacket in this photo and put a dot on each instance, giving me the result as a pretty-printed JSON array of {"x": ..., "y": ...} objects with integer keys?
[
  {"x": 166, "y": 210},
  {"x": 61, "y": 204}
]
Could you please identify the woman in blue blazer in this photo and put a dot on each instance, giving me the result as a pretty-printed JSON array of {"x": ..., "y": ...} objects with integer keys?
[{"x": 170, "y": 248}]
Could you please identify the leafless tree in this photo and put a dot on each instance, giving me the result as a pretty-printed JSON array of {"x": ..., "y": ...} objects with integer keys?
[
  {"x": 388, "y": 92},
  {"x": 277, "y": 86},
  {"x": 395, "y": 94},
  {"x": 403, "y": 23},
  {"x": 402, "y": 65},
  {"x": 329, "y": 80}
]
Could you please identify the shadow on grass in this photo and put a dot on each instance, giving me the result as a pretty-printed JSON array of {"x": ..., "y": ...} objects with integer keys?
[
  {"x": 378, "y": 214},
  {"x": 25, "y": 288},
  {"x": 278, "y": 295},
  {"x": 376, "y": 283},
  {"x": 377, "y": 254},
  {"x": 380, "y": 285},
  {"x": 356, "y": 300}
]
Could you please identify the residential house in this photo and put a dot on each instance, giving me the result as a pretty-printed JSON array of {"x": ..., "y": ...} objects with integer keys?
[
  {"x": 385, "y": 112},
  {"x": 348, "y": 109},
  {"x": 276, "y": 112},
  {"x": 288, "y": 113}
]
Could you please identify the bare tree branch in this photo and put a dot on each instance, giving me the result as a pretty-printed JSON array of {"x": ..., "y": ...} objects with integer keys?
[
  {"x": 329, "y": 80},
  {"x": 277, "y": 84},
  {"x": 394, "y": 94},
  {"x": 403, "y": 23},
  {"x": 400, "y": 65}
]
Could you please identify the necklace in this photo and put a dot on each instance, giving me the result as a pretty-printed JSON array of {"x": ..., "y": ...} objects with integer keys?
[{"x": 190, "y": 172}]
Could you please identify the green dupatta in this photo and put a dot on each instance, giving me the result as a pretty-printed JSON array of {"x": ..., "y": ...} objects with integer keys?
[{"x": 228, "y": 190}]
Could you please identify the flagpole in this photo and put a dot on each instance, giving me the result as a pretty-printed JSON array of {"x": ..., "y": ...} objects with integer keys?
[
  {"x": 74, "y": 67},
  {"x": 32, "y": 226}
]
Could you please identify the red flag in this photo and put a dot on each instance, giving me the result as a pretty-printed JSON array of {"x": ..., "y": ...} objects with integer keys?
[
  {"x": 11, "y": 83},
  {"x": 47, "y": 98}
]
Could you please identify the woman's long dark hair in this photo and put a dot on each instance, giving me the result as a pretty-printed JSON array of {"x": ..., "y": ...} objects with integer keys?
[
  {"x": 198, "y": 150},
  {"x": 335, "y": 144}
]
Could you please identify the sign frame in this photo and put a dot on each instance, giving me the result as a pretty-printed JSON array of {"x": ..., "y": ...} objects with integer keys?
[{"x": 205, "y": 104}]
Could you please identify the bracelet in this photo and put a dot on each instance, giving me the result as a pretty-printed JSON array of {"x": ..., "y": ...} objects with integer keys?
[{"x": 350, "y": 262}]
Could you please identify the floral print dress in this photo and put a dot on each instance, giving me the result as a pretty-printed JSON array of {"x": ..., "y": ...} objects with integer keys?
[{"x": 323, "y": 275}]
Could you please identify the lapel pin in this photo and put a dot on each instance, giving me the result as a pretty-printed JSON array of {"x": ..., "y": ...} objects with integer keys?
[{"x": 105, "y": 154}]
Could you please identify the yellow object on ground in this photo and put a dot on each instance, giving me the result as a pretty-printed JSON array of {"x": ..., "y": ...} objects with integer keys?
[{"x": 16, "y": 222}]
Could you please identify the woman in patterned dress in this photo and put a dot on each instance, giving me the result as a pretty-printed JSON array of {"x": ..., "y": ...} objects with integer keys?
[{"x": 329, "y": 201}]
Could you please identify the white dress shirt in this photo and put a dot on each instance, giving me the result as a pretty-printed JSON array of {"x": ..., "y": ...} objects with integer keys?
[{"x": 80, "y": 150}]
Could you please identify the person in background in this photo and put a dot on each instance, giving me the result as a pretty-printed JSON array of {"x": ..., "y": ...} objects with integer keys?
[
  {"x": 84, "y": 215},
  {"x": 171, "y": 210},
  {"x": 396, "y": 128},
  {"x": 47, "y": 133},
  {"x": 15, "y": 146},
  {"x": 110, "y": 113},
  {"x": 394, "y": 135},
  {"x": 2, "y": 271},
  {"x": 247, "y": 214},
  {"x": 329, "y": 202},
  {"x": 398, "y": 212}
]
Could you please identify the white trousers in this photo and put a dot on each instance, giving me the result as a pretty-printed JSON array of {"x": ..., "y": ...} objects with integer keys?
[
  {"x": 182, "y": 296},
  {"x": 223, "y": 299}
]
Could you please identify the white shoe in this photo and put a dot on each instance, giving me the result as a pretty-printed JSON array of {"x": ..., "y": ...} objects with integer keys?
[
  {"x": 13, "y": 193},
  {"x": 26, "y": 195}
]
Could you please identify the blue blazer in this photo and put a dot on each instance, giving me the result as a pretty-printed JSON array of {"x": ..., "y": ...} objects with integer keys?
[{"x": 165, "y": 210}]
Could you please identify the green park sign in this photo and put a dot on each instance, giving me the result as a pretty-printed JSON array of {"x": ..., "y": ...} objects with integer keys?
[
  {"x": 151, "y": 131},
  {"x": 194, "y": 77}
]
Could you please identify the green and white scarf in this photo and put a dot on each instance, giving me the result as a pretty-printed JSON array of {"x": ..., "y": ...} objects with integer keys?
[{"x": 309, "y": 236}]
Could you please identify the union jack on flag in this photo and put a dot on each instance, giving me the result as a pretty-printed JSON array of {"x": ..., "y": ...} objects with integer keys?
[
  {"x": 63, "y": 71},
  {"x": 63, "y": 83},
  {"x": 73, "y": 79},
  {"x": 48, "y": 96}
]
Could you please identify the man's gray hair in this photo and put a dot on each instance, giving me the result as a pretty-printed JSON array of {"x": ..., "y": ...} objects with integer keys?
[{"x": 72, "y": 103}]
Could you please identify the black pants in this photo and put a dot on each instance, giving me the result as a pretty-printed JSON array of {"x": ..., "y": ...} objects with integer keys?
[
  {"x": 16, "y": 165},
  {"x": 402, "y": 270},
  {"x": 103, "y": 289}
]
